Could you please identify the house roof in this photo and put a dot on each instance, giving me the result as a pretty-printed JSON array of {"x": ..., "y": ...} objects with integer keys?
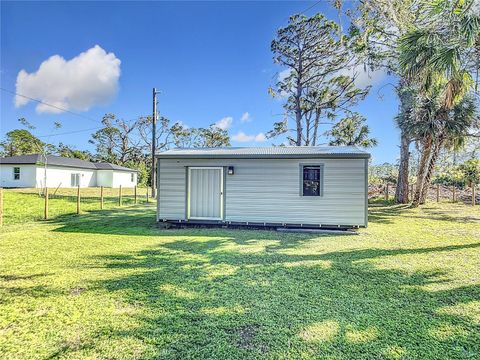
[
  {"x": 61, "y": 161},
  {"x": 268, "y": 152}
]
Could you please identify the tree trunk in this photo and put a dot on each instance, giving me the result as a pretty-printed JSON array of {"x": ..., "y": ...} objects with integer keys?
[
  {"x": 422, "y": 170},
  {"x": 401, "y": 192},
  {"x": 429, "y": 171},
  {"x": 298, "y": 107},
  {"x": 315, "y": 128}
]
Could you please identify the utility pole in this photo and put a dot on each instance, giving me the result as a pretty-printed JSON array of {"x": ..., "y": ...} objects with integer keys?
[{"x": 154, "y": 140}]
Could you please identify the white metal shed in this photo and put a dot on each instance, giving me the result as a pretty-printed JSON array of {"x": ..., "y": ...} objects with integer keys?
[{"x": 264, "y": 186}]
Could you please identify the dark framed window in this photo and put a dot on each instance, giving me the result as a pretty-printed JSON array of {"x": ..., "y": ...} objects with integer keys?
[
  {"x": 16, "y": 173},
  {"x": 132, "y": 177},
  {"x": 312, "y": 180}
]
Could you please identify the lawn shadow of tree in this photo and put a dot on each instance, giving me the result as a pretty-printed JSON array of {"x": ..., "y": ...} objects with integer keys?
[
  {"x": 10, "y": 289},
  {"x": 140, "y": 220},
  {"x": 215, "y": 299},
  {"x": 387, "y": 214},
  {"x": 216, "y": 293},
  {"x": 134, "y": 220}
]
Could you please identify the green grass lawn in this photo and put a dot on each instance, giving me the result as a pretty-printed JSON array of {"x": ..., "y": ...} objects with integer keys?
[{"x": 110, "y": 285}]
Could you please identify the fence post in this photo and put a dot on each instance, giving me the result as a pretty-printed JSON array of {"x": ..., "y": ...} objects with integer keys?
[
  {"x": 45, "y": 210},
  {"x": 453, "y": 193},
  {"x": 101, "y": 197},
  {"x": 78, "y": 199},
  {"x": 438, "y": 192},
  {"x": 120, "y": 196},
  {"x": 135, "y": 194},
  {"x": 386, "y": 192},
  {"x": 473, "y": 194},
  {"x": 1, "y": 206},
  {"x": 147, "y": 194}
]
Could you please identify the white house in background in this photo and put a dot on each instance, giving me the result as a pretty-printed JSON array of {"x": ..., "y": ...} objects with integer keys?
[{"x": 28, "y": 171}]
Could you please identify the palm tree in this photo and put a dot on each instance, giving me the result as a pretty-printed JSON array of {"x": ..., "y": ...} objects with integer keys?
[
  {"x": 450, "y": 131},
  {"x": 437, "y": 58}
]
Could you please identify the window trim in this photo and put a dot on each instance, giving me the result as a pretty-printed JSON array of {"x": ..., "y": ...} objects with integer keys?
[
  {"x": 322, "y": 172},
  {"x": 15, "y": 173}
]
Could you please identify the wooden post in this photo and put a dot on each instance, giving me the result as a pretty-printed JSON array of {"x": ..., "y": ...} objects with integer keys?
[
  {"x": 453, "y": 193},
  {"x": 120, "y": 196},
  {"x": 135, "y": 194},
  {"x": 147, "y": 194},
  {"x": 101, "y": 197},
  {"x": 386, "y": 192},
  {"x": 1, "y": 206},
  {"x": 45, "y": 210},
  {"x": 78, "y": 199},
  {"x": 473, "y": 194},
  {"x": 438, "y": 192}
]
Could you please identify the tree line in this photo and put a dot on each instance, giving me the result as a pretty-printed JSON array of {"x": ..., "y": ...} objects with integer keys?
[
  {"x": 432, "y": 49},
  {"x": 125, "y": 143}
]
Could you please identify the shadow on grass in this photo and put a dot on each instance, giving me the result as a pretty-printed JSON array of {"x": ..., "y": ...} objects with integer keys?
[
  {"x": 216, "y": 293},
  {"x": 9, "y": 288},
  {"x": 445, "y": 215},
  {"x": 382, "y": 214},
  {"x": 140, "y": 220},
  {"x": 203, "y": 299},
  {"x": 133, "y": 220},
  {"x": 379, "y": 213}
]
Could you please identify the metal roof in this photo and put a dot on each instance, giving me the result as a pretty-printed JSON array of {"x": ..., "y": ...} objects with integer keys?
[
  {"x": 61, "y": 161},
  {"x": 284, "y": 152},
  {"x": 109, "y": 166}
]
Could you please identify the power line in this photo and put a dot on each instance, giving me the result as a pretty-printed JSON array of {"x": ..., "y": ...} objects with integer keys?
[
  {"x": 47, "y": 104},
  {"x": 305, "y": 10},
  {"x": 70, "y": 132},
  {"x": 310, "y": 7},
  {"x": 83, "y": 130},
  {"x": 65, "y": 110}
]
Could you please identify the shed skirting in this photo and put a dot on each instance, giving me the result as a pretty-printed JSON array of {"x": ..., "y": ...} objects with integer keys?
[{"x": 252, "y": 225}]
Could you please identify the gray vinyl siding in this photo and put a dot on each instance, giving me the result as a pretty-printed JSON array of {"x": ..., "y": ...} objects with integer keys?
[{"x": 268, "y": 190}]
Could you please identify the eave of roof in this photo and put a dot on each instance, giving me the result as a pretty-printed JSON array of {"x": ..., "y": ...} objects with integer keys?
[
  {"x": 266, "y": 153},
  {"x": 52, "y": 160}
]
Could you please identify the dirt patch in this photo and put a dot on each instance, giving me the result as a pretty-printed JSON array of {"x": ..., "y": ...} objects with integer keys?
[
  {"x": 77, "y": 291},
  {"x": 246, "y": 339}
]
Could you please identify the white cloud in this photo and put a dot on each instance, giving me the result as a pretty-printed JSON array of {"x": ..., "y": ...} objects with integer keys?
[
  {"x": 364, "y": 77},
  {"x": 88, "y": 79},
  {"x": 282, "y": 75},
  {"x": 182, "y": 124},
  {"x": 224, "y": 123},
  {"x": 246, "y": 117},
  {"x": 260, "y": 137},
  {"x": 242, "y": 137}
]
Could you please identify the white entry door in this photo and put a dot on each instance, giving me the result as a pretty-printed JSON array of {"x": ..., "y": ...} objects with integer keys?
[{"x": 205, "y": 193}]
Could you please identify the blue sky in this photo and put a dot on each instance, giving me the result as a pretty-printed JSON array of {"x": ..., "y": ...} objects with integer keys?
[{"x": 211, "y": 61}]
